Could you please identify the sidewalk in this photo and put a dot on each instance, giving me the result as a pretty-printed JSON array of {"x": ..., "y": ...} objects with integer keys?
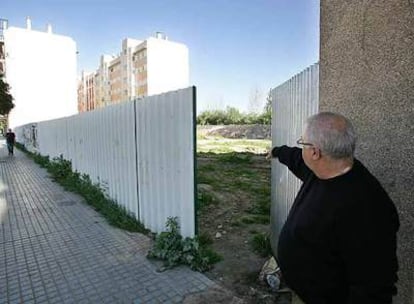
[{"x": 56, "y": 249}]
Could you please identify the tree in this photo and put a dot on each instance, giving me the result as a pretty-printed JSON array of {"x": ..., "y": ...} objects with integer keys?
[
  {"x": 6, "y": 99},
  {"x": 233, "y": 115},
  {"x": 266, "y": 117},
  {"x": 268, "y": 105},
  {"x": 255, "y": 100}
]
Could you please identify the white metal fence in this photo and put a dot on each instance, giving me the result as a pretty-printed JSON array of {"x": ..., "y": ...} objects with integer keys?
[
  {"x": 292, "y": 102},
  {"x": 140, "y": 152}
]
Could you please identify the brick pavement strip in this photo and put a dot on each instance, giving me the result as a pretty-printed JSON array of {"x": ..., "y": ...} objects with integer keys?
[{"x": 54, "y": 252}]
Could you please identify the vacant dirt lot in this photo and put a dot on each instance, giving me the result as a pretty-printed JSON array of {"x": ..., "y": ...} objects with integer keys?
[{"x": 234, "y": 198}]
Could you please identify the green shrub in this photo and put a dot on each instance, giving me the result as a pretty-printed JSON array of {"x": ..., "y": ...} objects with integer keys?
[
  {"x": 256, "y": 219},
  {"x": 170, "y": 247},
  {"x": 232, "y": 116},
  {"x": 204, "y": 239},
  {"x": 260, "y": 244},
  {"x": 261, "y": 206},
  {"x": 60, "y": 170},
  {"x": 236, "y": 158},
  {"x": 204, "y": 199}
]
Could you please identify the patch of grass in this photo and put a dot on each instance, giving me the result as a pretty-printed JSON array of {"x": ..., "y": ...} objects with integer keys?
[
  {"x": 236, "y": 223},
  {"x": 170, "y": 247},
  {"x": 243, "y": 176},
  {"x": 236, "y": 182},
  {"x": 263, "y": 189},
  {"x": 255, "y": 219},
  {"x": 260, "y": 243},
  {"x": 210, "y": 255},
  {"x": 261, "y": 206},
  {"x": 204, "y": 239},
  {"x": 205, "y": 178},
  {"x": 236, "y": 158},
  {"x": 218, "y": 150},
  {"x": 201, "y": 136},
  {"x": 258, "y": 143},
  {"x": 241, "y": 184},
  {"x": 207, "y": 168},
  {"x": 204, "y": 199},
  {"x": 205, "y": 137},
  {"x": 226, "y": 145},
  {"x": 250, "y": 278},
  {"x": 61, "y": 172},
  {"x": 249, "y": 220}
]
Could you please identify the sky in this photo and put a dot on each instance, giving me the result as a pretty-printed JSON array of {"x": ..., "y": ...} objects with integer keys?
[{"x": 237, "y": 48}]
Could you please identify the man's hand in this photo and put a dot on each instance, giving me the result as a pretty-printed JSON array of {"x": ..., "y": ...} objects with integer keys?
[
  {"x": 269, "y": 154},
  {"x": 273, "y": 152}
]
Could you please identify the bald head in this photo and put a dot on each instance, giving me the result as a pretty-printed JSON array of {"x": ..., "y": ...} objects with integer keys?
[{"x": 332, "y": 133}]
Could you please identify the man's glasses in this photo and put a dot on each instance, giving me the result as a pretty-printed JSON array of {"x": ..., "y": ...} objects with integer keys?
[{"x": 302, "y": 143}]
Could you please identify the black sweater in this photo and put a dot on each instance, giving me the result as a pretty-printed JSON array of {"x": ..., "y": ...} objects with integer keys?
[{"x": 338, "y": 244}]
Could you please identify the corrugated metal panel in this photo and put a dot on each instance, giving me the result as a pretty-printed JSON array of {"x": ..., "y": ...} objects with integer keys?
[
  {"x": 165, "y": 146},
  {"x": 27, "y": 135},
  {"x": 101, "y": 144},
  {"x": 141, "y": 153},
  {"x": 293, "y": 102},
  {"x": 51, "y": 138}
]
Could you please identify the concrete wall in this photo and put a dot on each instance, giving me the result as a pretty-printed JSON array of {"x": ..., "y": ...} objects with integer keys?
[{"x": 367, "y": 73}]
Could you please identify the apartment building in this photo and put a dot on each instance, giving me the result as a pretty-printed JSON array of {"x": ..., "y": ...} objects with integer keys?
[
  {"x": 40, "y": 68},
  {"x": 153, "y": 66},
  {"x": 3, "y": 26},
  {"x": 86, "y": 93}
]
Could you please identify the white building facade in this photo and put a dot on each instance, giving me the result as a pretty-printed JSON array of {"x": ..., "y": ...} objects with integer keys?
[
  {"x": 41, "y": 71},
  {"x": 143, "y": 68},
  {"x": 167, "y": 66}
]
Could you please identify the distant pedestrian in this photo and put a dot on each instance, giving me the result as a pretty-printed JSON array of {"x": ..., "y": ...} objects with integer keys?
[{"x": 10, "y": 139}]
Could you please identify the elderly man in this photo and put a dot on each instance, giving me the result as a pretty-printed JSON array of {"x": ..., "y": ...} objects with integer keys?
[{"x": 338, "y": 244}]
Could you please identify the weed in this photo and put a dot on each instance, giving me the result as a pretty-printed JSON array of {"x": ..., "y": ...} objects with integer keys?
[
  {"x": 225, "y": 145},
  {"x": 21, "y": 147},
  {"x": 170, "y": 247},
  {"x": 250, "y": 278},
  {"x": 206, "y": 179},
  {"x": 201, "y": 136},
  {"x": 207, "y": 168},
  {"x": 256, "y": 219},
  {"x": 205, "y": 239},
  {"x": 61, "y": 172},
  {"x": 59, "y": 168},
  {"x": 260, "y": 244},
  {"x": 208, "y": 137},
  {"x": 204, "y": 199},
  {"x": 260, "y": 207},
  {"x": 236, "y": 223},
  {"x": 236, "y": 158}
]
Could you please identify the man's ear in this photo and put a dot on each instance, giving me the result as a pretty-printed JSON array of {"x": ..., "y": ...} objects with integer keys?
[{"x": 316, "y": 153}]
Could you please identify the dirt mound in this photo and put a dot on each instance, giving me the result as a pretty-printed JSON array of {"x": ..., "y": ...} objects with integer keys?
[{"x": 237, "y": 131}]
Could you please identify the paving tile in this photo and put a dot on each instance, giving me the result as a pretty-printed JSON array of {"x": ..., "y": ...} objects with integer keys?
[{"x": 57, "y": 253}]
